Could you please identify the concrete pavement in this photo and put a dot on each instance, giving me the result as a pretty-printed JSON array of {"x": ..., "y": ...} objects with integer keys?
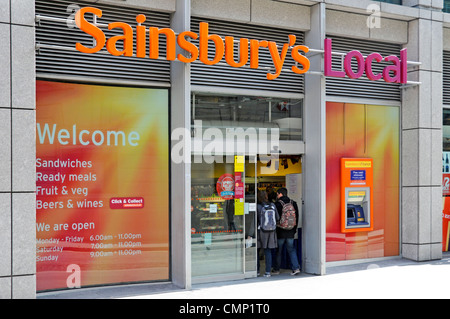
[
  {"x": 389, "y": 279},
  {"x": 395, "y": 278}
]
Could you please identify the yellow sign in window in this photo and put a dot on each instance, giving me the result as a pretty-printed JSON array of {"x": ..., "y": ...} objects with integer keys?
[{"x": 239, "y": 162}]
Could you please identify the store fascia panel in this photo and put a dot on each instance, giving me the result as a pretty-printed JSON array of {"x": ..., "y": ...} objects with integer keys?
[{"x": 248, "y": 50}]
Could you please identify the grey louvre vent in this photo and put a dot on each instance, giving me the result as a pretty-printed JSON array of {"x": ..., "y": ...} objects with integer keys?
[
  {"x": 56, "y": 40},
  {"x": 362, "y": 87},
  {"x": 446, "y": 78},
  {"x": 224, "y": 76}
]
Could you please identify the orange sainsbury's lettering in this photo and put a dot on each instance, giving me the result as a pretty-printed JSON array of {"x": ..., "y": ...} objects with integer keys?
[
  {"x": 204, "y": 40},
  {"x": 90, "y": 29},
  {"x": 187, "y": 46},
  {"x": 191, "y": 52},
  {"x": 229, "y": 52},
  {"x": 154, "y": 43},
  {"x": 127, "y": 39},
  {"x": 254, "y": 52},
  {"x": 141, "y": 42},
  {"x": 278, "y": 60},
  {"x": 299, "y": 58}
]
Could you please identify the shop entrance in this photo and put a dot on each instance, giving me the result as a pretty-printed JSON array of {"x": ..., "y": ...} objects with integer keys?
[
  {"x": 223, "y": 212},
  {"x": 224, "y": 195}
]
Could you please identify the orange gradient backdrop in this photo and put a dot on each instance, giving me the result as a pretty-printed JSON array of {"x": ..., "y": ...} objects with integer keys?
[
  {"x": 366, "y": 131},
  {"x": 115, "y": 245}
]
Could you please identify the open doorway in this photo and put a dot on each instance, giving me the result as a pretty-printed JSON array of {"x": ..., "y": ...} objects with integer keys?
[
  {"x": 284, "y": 172},
  {"x": 224, "y": 225}
]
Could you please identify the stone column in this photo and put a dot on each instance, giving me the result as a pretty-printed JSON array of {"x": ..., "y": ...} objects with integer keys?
[
  {"x": 181, "y": 172},
  {"x": 314, "y": 214},
  {"x": 421, "y": 148},
  {"x": 18, "y": 151}
]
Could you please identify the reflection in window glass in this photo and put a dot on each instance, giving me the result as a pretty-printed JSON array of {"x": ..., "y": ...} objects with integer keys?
[
  {"x": 248, "y": 111},
  {"x": 216, "y": 231},
  {"x": 446, "y": 141},
  {"x": 446, "y": 6},
  {"x": 392, "y": 1}
]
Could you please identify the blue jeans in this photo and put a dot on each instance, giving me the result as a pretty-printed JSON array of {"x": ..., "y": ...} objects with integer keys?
[
  {"x": 268, "y": 259},
  {"x": 290, "y": 250}
]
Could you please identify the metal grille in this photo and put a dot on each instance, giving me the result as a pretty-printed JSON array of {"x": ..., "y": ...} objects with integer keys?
[
  {"x": 446, "y": 78},
  {"x": 56, "y": 38},
  {"x": 362, "y": 87},
  {"x": 224, "y": 76}
]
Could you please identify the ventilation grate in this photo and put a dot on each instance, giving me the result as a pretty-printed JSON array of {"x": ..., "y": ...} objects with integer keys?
[
  {"x": 446, "y": 78},
  {"x": 56, "y": 40},
  {"x": 225, "y": 76},
  {"x": 362, "y": 87}
]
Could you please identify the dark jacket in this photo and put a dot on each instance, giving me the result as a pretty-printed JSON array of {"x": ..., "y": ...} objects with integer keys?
[{"x": 283, "y": 233}]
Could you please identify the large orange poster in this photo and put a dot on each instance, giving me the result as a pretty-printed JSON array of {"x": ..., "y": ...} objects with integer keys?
[
  {"x": 364, "y": 131},
  {"x": 102, "y": 185}
]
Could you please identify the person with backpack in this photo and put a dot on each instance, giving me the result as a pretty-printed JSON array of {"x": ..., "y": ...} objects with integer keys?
[
  {"x": 267, "y": 225},
  {"x": 286, "y": 229}
]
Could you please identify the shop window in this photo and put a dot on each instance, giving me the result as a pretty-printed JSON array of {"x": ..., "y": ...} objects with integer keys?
[
  {"x": 446, "y": 180},
  {"x": 363, "y": 131},
  {"x": 446, "y": 6},
  {"x": 228, "y": 111},
  {"x": 446, "y": 133},
  {"x": 392, "y": 1},
  {"x": 102, "y": 185}
]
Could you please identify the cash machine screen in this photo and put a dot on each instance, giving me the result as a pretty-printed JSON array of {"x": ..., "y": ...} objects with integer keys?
[{"x": 358, "y": 208}]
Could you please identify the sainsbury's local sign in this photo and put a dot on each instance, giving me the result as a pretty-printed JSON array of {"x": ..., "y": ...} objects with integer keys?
[{"x": 248, "y": 52}]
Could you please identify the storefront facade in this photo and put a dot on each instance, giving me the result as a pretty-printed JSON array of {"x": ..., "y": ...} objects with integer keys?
[{"x": 133, "y": 161}]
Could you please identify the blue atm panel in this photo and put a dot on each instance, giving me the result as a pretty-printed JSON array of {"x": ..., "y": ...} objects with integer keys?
[{"x": 356, "y": 216}]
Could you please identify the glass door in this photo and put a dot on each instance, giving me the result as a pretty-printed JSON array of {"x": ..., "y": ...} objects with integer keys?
[
  {"x": 223, "y": 225},
  {"x": 250, "y": 250}
]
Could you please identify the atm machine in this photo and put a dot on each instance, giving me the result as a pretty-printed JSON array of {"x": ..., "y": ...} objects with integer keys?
[{"x": 356, "y": 194}]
